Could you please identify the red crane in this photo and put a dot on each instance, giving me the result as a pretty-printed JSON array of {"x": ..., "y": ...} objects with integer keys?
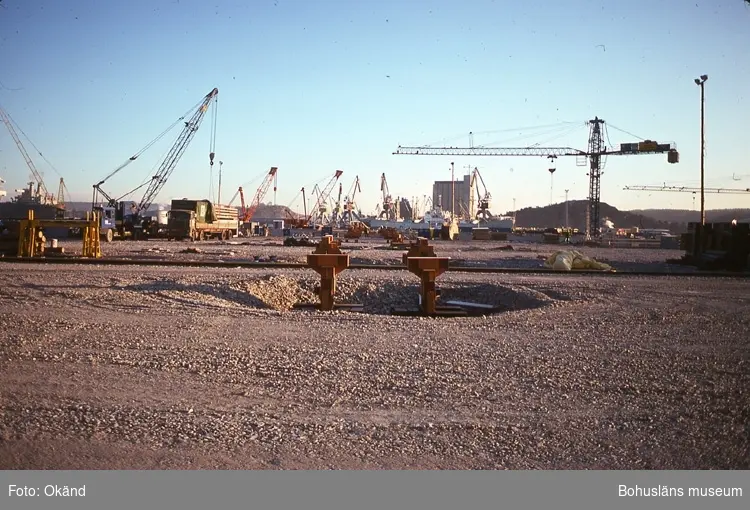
[{"x": 246, "y": 213}]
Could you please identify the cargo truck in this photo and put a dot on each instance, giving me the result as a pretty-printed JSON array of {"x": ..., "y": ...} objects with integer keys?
[{"x": 200, "y": 219}]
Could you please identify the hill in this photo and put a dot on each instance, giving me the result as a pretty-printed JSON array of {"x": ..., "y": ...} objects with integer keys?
[
  {"x": 685, "y": 215},
  {"x": 554, "y": 215}
]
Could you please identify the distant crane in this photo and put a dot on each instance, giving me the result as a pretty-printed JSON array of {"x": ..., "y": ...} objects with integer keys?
[
  {"x": 43, "y": 195},
  {"x": 595, "y": 152},
  {"x": 684, "y": 189},
  {"x": 337, "y": 213},
  {"x": 483, "y": 199},
  {"x": 247, "y": 212},
  {"x": 388, "y": 209},
  {"x": 62, "y": 192},
  {"x": 351, "y": 211},
  {"x": 319, "y": 213}
]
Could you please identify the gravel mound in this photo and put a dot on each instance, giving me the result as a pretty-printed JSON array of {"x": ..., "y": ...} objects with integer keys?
[{"x": 280, "y": 292}]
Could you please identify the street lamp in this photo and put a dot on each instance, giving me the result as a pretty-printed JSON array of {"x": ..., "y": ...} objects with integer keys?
[{"x": 700, "y": 81}]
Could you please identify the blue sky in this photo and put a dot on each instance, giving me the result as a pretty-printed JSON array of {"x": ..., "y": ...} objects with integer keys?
[{"x": 316, "y": 86}]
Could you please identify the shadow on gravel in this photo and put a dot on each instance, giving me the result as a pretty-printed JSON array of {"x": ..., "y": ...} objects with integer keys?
[
  {"x": 281, "y": 293},
  {"x": 172, "y": 290}
]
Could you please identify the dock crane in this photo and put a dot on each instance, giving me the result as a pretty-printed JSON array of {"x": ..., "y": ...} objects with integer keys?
[
  {"x": 42, "y": 195},
  {"x": 247, "y": 212},
  {"x": 351, "y": 212},
  {"x": 388, "y": 210},
  {"x": 319, "y": 213},
  {"x": 483, "y": 199},
  {"x": 337, "y": 211},
  {"x": 114, "y": 218},
  {"x": 595, "y": 152}
]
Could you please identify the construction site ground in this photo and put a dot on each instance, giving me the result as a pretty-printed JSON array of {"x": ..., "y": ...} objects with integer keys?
[
  {"x": 107, "y": 367},
  {"x": 373, "y": 250}
]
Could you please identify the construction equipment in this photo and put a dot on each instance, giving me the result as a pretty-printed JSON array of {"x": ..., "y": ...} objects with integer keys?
[
  {"x": 483, "y": 199},
  {"x": 319, "y": 214},
  {"x": 356, "y": 229},
  {"x": 594, "y": 154},
  {"x": 116, "y": 222},
  {"x": 31, "y": 238},
  {"x": 388, "y": 207},
  {"x": 685, "y": 189},
  {"x": 247, "y": 212},
  {"x": 200, "y": 219},
  {"x": 328, "y": 261},
  {"x": 351, "y": 211},
  {"x": 62, "y": 191},
  {"x": 42, "y": 195}
]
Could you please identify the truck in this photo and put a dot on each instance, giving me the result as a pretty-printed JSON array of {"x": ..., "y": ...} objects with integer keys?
[{"x": 200, "y": 219}]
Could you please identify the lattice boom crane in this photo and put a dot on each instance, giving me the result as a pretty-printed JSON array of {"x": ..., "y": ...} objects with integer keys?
[
  {"x": 596, "y": 150},
  {"x": 324, "y": 194},
  {"x": 248, "y": 212},
  {"x": 45, "y": 195}
]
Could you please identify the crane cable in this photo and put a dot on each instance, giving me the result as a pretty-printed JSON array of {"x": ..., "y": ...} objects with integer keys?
[
  {"x": 15, "y": 124},
  {"x": 151, "y": 143},
  {"x": 212, "y": 148}
]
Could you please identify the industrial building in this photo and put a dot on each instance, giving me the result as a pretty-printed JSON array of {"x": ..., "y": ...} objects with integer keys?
[{"x": 442, "y": 194}]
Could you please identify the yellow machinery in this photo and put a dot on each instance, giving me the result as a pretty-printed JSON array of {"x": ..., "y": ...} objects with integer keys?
[{"x": 31, "y": 240}]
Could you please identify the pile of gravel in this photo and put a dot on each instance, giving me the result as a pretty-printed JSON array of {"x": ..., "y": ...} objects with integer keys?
[{"x": 280, "y": 292}]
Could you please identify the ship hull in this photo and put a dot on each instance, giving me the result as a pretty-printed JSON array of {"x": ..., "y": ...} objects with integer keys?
[{"x": 20, "y": 211}]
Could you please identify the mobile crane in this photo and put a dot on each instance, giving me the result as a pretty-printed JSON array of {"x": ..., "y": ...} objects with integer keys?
[
  {"x": 115, "y": 221},
  {"x": 247, "y": 211}
]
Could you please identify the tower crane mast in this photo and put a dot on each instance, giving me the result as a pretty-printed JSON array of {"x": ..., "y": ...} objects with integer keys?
[{"x": 595, "y": 152}]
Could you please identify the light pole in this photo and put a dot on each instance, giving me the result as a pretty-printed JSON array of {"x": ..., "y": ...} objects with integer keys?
[
  {"x": 700, "y": 82},
  {"x": 566, "y": 209}
]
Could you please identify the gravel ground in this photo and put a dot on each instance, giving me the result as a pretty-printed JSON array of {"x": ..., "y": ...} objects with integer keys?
[
  {"x": 376, "y": 251},
  {"x": 190, "y": 368}
]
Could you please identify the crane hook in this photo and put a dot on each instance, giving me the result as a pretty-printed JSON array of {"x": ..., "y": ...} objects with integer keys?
[{"x": 211, "y": 158}]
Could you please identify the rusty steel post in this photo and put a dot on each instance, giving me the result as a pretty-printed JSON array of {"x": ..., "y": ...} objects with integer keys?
[
  {"x": 422, "y": 261},
  {"x": 328, "y": 261}
]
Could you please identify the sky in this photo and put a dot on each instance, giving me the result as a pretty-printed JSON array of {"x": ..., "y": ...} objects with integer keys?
[{"x": 315, "y": 86}]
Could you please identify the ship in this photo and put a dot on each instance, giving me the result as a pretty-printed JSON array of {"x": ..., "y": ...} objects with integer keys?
[
  {"x": 434, "y": 219},
  {"x": 45, "y": 206}
]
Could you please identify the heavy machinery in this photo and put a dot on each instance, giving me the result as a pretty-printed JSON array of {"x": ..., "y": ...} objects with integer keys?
[
  {"x": 198, "y": 220},
  {"x": 351, "y": 211},
  {"x": 295, "y": 222},
  {"x": 483, "y": 199},
  {"x": 388, "y": 209},
  {"x": 319, "y": 214},
  {"x": 247, "y": 211},
  {"x": 36, "y": 196},
  {"x": 126, "y": 219},
  {"x": 595, "y": 153}
]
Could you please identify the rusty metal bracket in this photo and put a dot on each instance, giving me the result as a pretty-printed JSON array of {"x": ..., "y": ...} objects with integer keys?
[
  {"x": 422, "y": 261},
  {"x": 328, "y": 261}
]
